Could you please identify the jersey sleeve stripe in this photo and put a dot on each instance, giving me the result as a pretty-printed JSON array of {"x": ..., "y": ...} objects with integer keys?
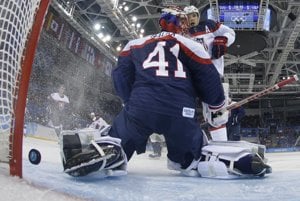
[
  {"x": 214, "y": 129},
  {"x": 140, "y": 43},
  {"x": 194, "y": 56},
  {"x": 151, "y": 40},
  {"x": 124, "y": 53},
  {"x": 213, "y": 107}
]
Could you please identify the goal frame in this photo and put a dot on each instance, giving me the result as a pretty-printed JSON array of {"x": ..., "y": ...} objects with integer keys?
[{"x": 16, "y": 137}]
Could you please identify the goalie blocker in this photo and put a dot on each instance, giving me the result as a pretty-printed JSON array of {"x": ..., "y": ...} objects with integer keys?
[{"x": 85, "y": 151}]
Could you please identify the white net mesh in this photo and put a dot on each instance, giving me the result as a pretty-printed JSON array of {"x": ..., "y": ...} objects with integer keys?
[{"x": 16, "y": 20}]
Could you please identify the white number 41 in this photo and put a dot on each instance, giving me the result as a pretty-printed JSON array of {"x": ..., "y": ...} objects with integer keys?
[{"x": 162, "y": 64}]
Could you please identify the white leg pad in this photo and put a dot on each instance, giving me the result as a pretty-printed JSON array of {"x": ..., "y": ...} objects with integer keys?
[
  {"x": 219, "y": 134},
  {"x": 252, "y": 147},
  {"x": 230, "y": 151},
  {"x": 213, "y": 169}
]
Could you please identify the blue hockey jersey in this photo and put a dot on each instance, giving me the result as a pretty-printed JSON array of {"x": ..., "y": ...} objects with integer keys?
[{"x": 165, "y": 73}]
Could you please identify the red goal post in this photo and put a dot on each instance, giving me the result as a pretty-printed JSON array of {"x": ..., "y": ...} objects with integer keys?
[{"x": 20, "y": 26}]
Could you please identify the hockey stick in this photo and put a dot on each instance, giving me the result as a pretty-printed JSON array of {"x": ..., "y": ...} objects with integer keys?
[
  {"x": 259, "y": 94},
  {"x": 263, "y": 92}
]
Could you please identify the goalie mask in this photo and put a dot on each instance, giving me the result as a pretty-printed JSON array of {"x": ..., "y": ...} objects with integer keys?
[
  {"x": 193, "y": 15},
  {"x": 173, "y": 20}
]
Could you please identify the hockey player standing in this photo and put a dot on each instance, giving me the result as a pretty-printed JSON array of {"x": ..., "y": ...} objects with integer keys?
[
  {"x": 215, "y": 38},
  {"x": 58, "y": 109},
  {"x": 156, "y": 141},
  {"x": 159, "y": 78}
]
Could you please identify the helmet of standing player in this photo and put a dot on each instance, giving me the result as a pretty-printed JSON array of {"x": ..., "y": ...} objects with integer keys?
[
  {"x": 173, "y": 20},
  {"x": 193, "y": 15}
]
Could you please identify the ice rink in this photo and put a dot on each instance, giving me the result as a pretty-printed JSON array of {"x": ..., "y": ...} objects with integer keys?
[{"x": 149, "y": 179}]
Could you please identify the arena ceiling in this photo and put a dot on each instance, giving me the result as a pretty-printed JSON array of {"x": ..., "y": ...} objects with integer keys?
[{"x": 257, "y": 60}]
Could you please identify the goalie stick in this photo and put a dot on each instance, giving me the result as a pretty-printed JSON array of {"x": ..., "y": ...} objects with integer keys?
[
  {"x": 259, "y": 94},
  {"x": 263, "y": 92}
]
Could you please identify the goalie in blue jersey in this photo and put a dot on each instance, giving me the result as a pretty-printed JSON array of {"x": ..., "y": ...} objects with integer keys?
[{"x": 159, "y": 77}]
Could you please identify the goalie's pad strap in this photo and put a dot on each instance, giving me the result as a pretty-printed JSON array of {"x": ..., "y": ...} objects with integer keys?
[
  {"x": 108, "y": 139},
  {"x": 89, "y": 163},
  {"x": 117, "y": 142},
  {"x": 101, "y": 152}
]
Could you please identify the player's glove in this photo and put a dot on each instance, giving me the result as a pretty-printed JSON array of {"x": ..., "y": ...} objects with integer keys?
[{"x": 219, "y": 47}]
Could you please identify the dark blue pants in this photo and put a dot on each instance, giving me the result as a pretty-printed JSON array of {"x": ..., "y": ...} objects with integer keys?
[{"x": 183, "y": 136}]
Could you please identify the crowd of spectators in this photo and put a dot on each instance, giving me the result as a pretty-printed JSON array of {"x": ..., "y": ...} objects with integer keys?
[{"x": 272, "y": 132}]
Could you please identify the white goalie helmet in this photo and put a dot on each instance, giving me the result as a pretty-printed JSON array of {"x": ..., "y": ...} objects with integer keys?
[{"x": 191, "y": 9}]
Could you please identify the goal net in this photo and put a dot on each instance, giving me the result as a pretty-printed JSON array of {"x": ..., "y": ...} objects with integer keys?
[{"x": 20, "y": 25}]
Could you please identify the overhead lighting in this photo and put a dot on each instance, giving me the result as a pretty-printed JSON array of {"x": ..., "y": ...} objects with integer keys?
[
  {"x": 142, "y": 30},
  {"x": 134, "y": 18},
  {"x": 126, "y": 8},
  {"x": 119, "y": 48},
  {"x": 106, "y": 38},
  {"x": 100, "y": 35},
  {"x": 138, "y": 25},
  {"x": 97, "y": 26}
]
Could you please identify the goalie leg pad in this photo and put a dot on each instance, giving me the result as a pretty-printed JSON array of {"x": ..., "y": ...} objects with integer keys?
[
  {"x": 239, "y": 161},
  {"x": 102, "y": 155},
  {"x": 252, "y": 147}
]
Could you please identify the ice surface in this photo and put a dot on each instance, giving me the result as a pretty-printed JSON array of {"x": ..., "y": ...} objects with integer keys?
[{"x": 148, "y": 179}]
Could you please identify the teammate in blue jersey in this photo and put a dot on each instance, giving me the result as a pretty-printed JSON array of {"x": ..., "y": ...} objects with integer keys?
[
  {"x": 159, "y": 78},
  {"x": 215, "y": 38}
]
